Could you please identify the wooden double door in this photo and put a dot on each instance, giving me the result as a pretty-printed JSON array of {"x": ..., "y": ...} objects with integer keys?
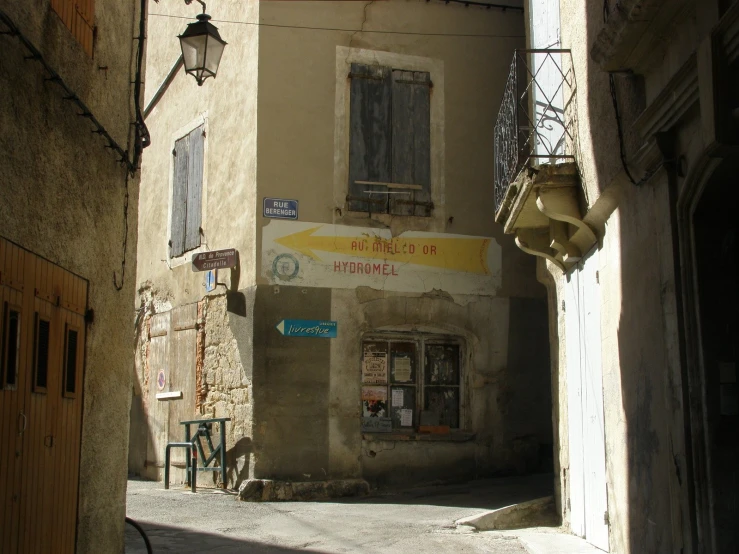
[{"x": 42, "y": 338}]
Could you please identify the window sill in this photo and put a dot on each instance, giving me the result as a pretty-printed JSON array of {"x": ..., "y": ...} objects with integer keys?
[
  {"x": 454, "y": 436},
  {"x": 384, "y": 216}
]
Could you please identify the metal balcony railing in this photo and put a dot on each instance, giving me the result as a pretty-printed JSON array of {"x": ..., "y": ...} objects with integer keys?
[{"x": 532, "y": 127}]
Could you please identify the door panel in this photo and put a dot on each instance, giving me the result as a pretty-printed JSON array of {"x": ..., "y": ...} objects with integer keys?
[
  {"x": 158, "y": 361},
  {"x": 596, "y": 529},
  {"x": 12, "y": 270},
  {"x": 588, "y": 498},
  {"x": 183, "y": 339},
  {"x": 41, "y": 424},
  {"x": 574, "y": 404}
]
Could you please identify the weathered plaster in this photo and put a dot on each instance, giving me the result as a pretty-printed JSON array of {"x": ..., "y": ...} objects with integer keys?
[
  {"x": 272, "y": 133},
  {"x": 63, "y": 198}
]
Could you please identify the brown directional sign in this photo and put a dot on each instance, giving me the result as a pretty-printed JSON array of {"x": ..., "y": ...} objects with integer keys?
[{"x": 217, "y": 259}]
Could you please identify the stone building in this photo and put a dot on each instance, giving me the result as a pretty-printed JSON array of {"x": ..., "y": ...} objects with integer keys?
[
  {"x": 345, "y": 151},
  {"x": 68, "y": 190},
  {"x": 616, "y": 173}
]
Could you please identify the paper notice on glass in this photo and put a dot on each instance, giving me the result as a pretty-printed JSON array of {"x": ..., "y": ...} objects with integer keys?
[
  {"x": 406, "y": 418},
  {"x": 402, "y": 369},
  {"x": 374, "y": 368},
  {"x": 397, "y": 398}
]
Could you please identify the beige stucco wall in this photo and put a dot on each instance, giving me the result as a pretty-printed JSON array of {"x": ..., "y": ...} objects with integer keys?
[
  {"x": 63, "y": 198},
  {"x": 298, "y": 150},
  {"x": 274, "y": 117},
  {"x": 227, "y": 107},
  {"x": 303, "y": 154}
]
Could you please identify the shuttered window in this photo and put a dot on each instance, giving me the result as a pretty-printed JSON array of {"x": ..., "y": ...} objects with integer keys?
[
  {"x": 78, "y": 16},
  {"x": 71, "y": 362},
  {"x": 41, "y": 354},
  {"x": 389, "y": 141},
  {"x": 187, "y": 192},
  {"x": 10, "y": 345}
]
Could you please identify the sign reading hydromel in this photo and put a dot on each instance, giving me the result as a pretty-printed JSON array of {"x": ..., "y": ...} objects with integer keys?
[{"x": 339, "y": 256}]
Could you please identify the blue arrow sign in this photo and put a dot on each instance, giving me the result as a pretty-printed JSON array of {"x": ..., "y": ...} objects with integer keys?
[
  {"x": 210, "y": 280},
  {"x": 307, "y": 328}
]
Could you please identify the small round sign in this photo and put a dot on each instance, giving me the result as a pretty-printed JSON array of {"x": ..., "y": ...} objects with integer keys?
[
  {"x": 161, "y": 379},
  {"x": 285, "y": 267}
]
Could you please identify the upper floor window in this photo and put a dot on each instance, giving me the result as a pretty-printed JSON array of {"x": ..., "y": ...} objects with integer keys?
[
  {"x": 78, "y": 16},
  {"x": 389, "y": 141},
  {"x": 187, "y": 192}
]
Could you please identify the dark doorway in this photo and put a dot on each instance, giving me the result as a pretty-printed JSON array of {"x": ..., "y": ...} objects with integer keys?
[{"x": 715, "y": 225}]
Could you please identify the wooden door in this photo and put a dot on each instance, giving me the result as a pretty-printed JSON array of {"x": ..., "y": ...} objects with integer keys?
[
  {"x": 13, "y": 354},
  {"x": 183, "y": 338},
  {"x": 588, "y": 497},
  {"x": 156, "y": 411},
  {"x": 43, "y": 314}
]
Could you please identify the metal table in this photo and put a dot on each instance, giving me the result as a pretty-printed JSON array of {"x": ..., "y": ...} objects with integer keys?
[{"x": 203, "y": 430}]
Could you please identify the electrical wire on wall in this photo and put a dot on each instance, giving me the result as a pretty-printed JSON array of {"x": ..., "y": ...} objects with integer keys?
[
  {"x": 142, "y": 139},
  {"x": 344, "y": 29},
  {"x": 619, "y": 122}
]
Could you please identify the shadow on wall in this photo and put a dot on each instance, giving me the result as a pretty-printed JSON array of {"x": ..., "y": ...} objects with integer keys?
[
  {"x": 648, "y": 520},
  {"x": 241, "y": 450}
]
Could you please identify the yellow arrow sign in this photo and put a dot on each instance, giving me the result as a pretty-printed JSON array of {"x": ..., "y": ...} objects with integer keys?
[{"x": 458, "y": 254}]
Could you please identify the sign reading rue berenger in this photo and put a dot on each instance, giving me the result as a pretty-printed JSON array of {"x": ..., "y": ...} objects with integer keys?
[
  {"x": 216, "y": 259},
  {"x": 280, "y": 208}
]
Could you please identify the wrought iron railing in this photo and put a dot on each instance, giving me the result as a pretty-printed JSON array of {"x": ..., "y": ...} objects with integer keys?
[{"x": 532, "y": 126}]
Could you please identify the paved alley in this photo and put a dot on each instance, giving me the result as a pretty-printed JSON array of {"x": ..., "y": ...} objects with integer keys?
[{"x": 418, "y": 521}]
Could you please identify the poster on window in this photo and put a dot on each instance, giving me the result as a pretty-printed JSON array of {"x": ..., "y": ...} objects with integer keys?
[
  {"x": 402, "y": 369},
  {"x": 374, "y": 401},
  {"x": 374, "y": 368}
]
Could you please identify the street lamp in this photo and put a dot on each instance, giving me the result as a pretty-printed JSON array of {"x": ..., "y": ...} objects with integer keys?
[{"x": 202, "y": 47}]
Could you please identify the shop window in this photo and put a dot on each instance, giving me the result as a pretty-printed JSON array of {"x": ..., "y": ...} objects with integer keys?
[
  {"x": 11, "y": 345},
  {"x": 410, "y": 383},
  {"x": 187, "y": 192},
  {"x": 389, "y": 141},
  {"x": 71, "y": 361},
  {"x": 41, "y": 354}
]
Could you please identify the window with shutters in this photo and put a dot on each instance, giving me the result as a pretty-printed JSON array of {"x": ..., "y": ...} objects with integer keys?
[
  {"x": 187, "y": 192},
  {"x": 411, "y": 382},
  {"x": 41, "y": 339},
  {"x": 78, "y": 16},
  {"x": 72, "y": 357},
  {"x": 11, "y": 338},
  {"x": 389, "y": 141}
]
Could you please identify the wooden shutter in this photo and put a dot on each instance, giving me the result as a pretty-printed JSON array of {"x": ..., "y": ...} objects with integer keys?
[
  {"x": 179, "y": 197},
  {"x": 370, "y": 136},
  {"x": 194, "y": 189},
  {"x": 411, "y": 145},
  {"x": 78, "y": 16}
]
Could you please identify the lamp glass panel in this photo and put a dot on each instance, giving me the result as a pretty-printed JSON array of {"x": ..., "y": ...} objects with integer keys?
[
  {"x": 193, "y": 51},
  {"x": 215, "y": 51}
]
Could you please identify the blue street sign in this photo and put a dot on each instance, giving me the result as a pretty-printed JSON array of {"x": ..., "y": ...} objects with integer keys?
[
  {"x": 210, "y": 280},
  {"x": 280, "y": 208},
  {"x": 307, "y": 328}
]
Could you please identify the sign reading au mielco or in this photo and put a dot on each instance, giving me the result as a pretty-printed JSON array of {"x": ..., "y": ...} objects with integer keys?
[
  {"x": 216, "y": 259},
  {"x": 280, "y": 208}
]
